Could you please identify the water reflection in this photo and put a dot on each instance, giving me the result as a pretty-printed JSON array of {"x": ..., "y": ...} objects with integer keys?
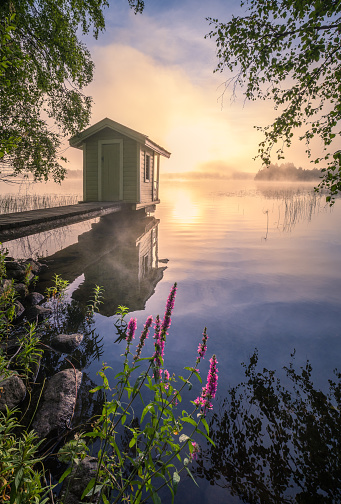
[
  {"x": 119, "y": 253},
  {"x": 288, "y": 204},
  {"x": 295, "y": 204},
  {"x": 45, "y": 243},
  {"x": 71, "y": 318},
  {"x": 277, "y": 441},
  {"x": 185, "y": 210}
]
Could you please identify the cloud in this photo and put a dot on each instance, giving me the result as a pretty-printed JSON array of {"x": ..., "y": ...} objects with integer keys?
[
  {"x": 162, "y": 101},
  {"x": 154, "y": 74}
]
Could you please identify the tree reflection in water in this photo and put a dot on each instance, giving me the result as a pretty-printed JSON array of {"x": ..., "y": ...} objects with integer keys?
[{"x": 276, "y": 443}]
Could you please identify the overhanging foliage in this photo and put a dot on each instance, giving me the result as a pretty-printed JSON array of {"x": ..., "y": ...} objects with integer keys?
[
  {"x": 288, "y": 51},
  {"x": 43, "y": 72}
]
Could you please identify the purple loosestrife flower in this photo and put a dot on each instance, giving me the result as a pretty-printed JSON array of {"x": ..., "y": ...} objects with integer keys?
[
  {"x": 168, "y": 311},
  {"x": 212, "y": 378},
  {"x": 158, "y": 354},
  {"x": 131, "y": 330},
  {"x": 161, "y": 332},
  {"x": 157, "y": 328},
  {"x": 196, "y": 450},
  {"x": 210, "y": 390},
  {"x": 143, "y": 337},
  {"x": 166, "y": 378},
  {"x": 202, "y": 346}
]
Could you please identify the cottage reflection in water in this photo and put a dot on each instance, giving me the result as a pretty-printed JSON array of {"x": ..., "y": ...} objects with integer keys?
[{"x": 119, "y": 253}]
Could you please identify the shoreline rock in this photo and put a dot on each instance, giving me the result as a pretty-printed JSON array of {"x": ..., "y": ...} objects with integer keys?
[
  {"x": 58, "y": 404},
  {"x": 12, "y": 391},
  {"x": 66, "y": 343},
  {"x": 75, "y": 484}
]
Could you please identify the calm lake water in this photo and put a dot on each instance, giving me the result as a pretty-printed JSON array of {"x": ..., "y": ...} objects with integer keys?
[{"x": 258, "y": 264}]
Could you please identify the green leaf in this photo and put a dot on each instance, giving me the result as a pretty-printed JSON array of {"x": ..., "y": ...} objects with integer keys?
[
  {"x": 205, "y": 424},
  {"x": 205, "y": 436},
  {"x": 191, "y": 475},
  {"x": 118, "y": 453},
  {"x": 156, "y": 498},
  {"x": 99, "y": 387},
  {"x": 65, "y": 474},
  {"x": 176, "y": 480},
  {"x": 189, "y": 420},
  {"x": 89, "y": 487},
  {"x": 198, "y": 376},
  {"x": 149, "y": 408},
  {"x": 18, "y": 478},
  {"x": 176, "y": 477}
]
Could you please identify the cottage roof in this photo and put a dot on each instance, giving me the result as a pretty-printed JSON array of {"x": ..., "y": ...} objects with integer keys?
[{"x": 78, "y": 140}]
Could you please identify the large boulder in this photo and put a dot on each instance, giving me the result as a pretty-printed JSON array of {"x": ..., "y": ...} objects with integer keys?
[
  {"x": 12, "y": 391},
  {"x": 15, "y": 270},
  {"x": 35, "y": 266},
  {"x": 19, "y": 309},
  {"x": 66, "y": 343},
  {"x": 58, "y": 403},
  {"x": 20, "y": 288},
  {"x": 33, "y": 299},
  {"x": 10, "y": 345},
  {"x": 75, "y": 484},
  {"x": 37, "y": 312},
  {"x": 23, "y": 271}
]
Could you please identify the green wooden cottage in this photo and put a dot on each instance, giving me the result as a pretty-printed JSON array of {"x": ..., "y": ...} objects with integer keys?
[{"x": 119, "y": 164}]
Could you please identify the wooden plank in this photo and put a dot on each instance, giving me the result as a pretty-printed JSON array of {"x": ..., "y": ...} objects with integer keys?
[{"x": 18, "y": 224}]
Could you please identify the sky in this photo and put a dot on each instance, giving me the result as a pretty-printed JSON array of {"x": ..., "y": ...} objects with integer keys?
[{"x": 154, "y": 72}]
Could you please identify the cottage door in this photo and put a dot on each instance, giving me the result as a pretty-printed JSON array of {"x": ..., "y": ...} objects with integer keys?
[{"x": 111, "y": 172}]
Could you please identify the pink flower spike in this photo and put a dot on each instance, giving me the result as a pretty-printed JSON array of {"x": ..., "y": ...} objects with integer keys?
[
  {"x": 202, "y": 346},
  {"x": 209, "y": 392},
  {"x": 212, "y": 378},
  {"x": 157, "y": 328},
  {"x": 166, "y": 378},
  {"x": 131, "y": 330},
  {"x": 168, "y": 311},
  {"x": 143, "y": 337},
  {"x": 161, "y": 332},
  {"x": 196, "y": 450}
]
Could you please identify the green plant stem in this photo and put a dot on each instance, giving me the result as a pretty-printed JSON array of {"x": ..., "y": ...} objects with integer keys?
[
  {"x": 149, "y": 446},
  {"x": 163, "y": 484},
  {"x": 112, "y": 428},
  {"x": 169, "y": 460},
  {"x": 35, "y": 411}
]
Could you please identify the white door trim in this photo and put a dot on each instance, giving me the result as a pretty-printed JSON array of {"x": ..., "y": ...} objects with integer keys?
[{"x": 85, "y": 172}]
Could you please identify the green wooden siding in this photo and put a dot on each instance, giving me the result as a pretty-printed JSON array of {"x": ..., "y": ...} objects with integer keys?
[{"x": 129, "y": 165}]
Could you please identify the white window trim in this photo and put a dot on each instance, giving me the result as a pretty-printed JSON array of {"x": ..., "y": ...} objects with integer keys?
[
  {"x": 146, "y": 154},
  {"x": 100, "y": 144}
]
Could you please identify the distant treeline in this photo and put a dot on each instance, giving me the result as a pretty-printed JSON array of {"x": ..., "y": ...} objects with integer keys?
[
  {"x": 74, "y": 174},
  {"x": 287, "y": 171},
  {"x": 229, "y": 175}
]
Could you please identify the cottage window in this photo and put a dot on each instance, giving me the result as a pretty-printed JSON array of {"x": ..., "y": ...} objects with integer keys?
[{"x": 147, "y": 168}]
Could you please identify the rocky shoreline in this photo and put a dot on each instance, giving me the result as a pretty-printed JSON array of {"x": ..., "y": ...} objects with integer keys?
[{"x": 54, "y": 413}]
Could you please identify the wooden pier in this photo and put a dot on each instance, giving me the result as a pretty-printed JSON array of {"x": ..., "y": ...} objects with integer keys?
[{"x": 18, "y": 224}]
